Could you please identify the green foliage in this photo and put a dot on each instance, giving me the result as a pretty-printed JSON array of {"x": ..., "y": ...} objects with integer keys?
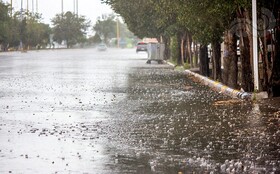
[
  {"x": 70, "y": 28},
  {"x": 106, "y": 28},
  {"x": 94, "y": 39},
  {"x": 33, "y": 32},
  {"x": 139, "y": 15},
  {"x": 38, "y": 34},
  {"x": 4, "y": 22},
  {"x": 204, "y": 19},
  {"x": 14, "y": 33},
  {"x": 22, "y": 26}
]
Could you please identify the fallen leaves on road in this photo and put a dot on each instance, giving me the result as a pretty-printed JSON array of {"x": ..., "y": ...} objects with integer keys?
[
  {"x": 277, "y": 114},
  {"x": 187, "y": 88},
  {"x": 228, "y": 102}
]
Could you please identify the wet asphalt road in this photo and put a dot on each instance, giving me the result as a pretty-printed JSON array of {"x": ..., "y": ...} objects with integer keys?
[{"x": 84, "y": 111}]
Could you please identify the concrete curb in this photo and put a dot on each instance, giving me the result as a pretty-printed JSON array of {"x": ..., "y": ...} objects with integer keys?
[{"x": 220, "y": 87}]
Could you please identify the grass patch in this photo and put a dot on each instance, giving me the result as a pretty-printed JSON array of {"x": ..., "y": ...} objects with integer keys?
[
  {"x": 187, "y": 65},
  {"x": 179, "y": 68}
]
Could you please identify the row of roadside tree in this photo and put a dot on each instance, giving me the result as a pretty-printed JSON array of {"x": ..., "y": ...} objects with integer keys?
[
  {"x": 25, "y": 30},
  {"x": 193, "y": 25},
  {"x": 19, "y": 28}
]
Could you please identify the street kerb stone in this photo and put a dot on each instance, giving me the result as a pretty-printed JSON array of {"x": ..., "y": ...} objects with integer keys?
[{"x": 219, "y": 87}]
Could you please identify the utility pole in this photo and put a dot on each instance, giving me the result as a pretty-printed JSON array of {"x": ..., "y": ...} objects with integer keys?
[
  {"x": 36, "y": 6},
  {"x": 255, "y": 45},
  {"x": 11, "y": 8},
  {"x": 33, "y": 6},
  {"x": 74, "y": 4},
  {"x": 77, "y": 7},
  {"x": 61, "y": 6},
  {"x": 21, "y": 10}
]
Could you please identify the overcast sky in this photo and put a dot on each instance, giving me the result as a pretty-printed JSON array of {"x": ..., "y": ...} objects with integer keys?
[{"x": 48, "y": 8}]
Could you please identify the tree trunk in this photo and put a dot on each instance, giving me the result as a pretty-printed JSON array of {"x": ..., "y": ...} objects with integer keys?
[
  {"x": 182, "y": 50},
  {"x": 180, "y": 58},
  {"x": 195, "y": 54},
  {"x": 245, "y": 53},
  {"x": 246, "y": 69},
  {"x": 230, "y": 60},
  {"x": 248, "y": 28},
  {"x": 216, "y": 70},
  {"x": 189, "y": 50},
  {"x": 67, "y": 44},
  {"x": 274, "y": 81},
  {"x": 204, "y": 61},
  {"x": 265, "y": 61},
  {"x": 166, "y": 41}
]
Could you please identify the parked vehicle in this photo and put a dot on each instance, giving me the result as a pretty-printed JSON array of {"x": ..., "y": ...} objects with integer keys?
[
  {"x": 141, "y": 46},
  {"x": 101, "y": 47}
]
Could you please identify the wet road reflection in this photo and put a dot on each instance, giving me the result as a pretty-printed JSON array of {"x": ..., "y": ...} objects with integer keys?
[{"x": 83, "y": 111}]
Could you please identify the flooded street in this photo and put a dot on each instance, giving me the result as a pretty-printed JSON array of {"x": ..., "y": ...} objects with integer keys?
[{"x": 84, "y": 111}]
